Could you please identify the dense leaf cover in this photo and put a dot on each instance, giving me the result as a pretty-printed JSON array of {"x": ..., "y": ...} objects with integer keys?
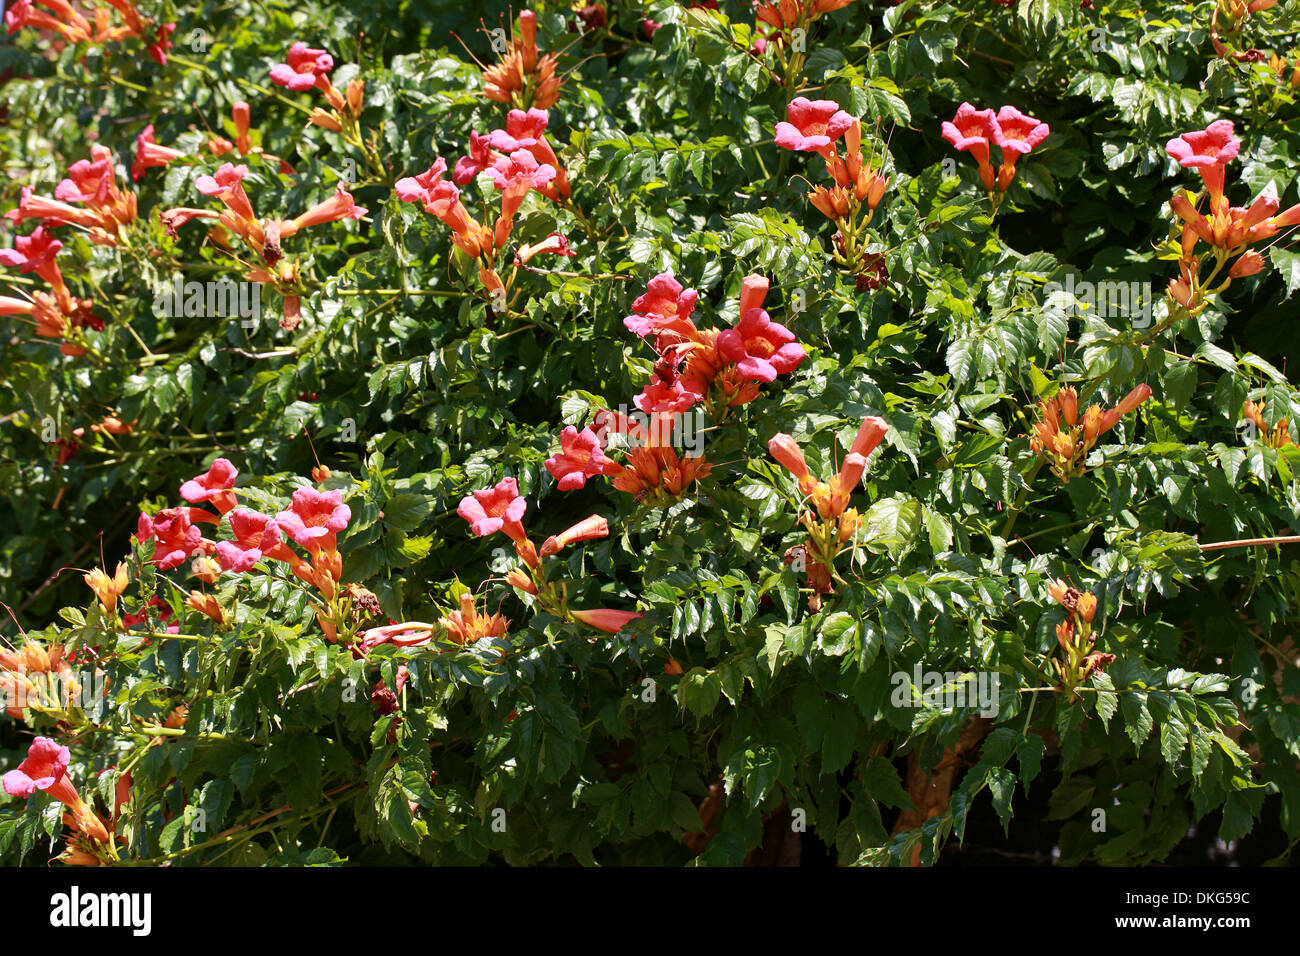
[{"x": 795, "y": 316}]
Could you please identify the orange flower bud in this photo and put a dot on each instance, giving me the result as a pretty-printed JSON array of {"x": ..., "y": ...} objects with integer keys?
[
  {"x": 1068, "y": 400},
  {"x": 206, "y": 569},
  {"x": 876, "y": 191},
  {"x": 527, "y": 553},
  {"x": 606, "y": 619},
  {"x": 324, "y": 119},
  {"x": 207, "y": 604},
  {"x": 1248, "y": 263},
  {"x": 239, "y": 112},
  {"x": 1092, "y": 420},
  {"x": 753, "y": 290},
  {"x": 1065, "y": 635},
  {"x": 107, "y": 589},
  {"x": 517, "y": 578}
]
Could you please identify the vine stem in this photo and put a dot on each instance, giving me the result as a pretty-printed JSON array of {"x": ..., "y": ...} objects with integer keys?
[
  {"x": 192, "y": 65},
  {"x": 448, "y": 293},
  {"x": 1249, "y": 542},
  {"x": 250, "y": 829}
]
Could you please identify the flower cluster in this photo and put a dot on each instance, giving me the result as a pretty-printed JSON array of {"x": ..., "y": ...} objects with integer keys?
[
  {"x": 1228, "y": 230},
  {"x": 269, "y": 265},
  {"x": 831, "y": 524},
  {"x": 501, "y": 508},
  {"x": 63, "y": 17},
  {"x": 1076, "y": 637},
  {"x": 1226, "y": 26},
  {"x": 1279, "y": 436},
  {"x": 1279, "y": 67},
  {"x": 720, "y": 369},
  {"x": 312, "y": 521},
  {"x": 1065, "y": 447},
  {"x": 522, "y": 77},
  {"x": 306, "y": 68},
  {"x": 56, "y": 314},
  {"x": 859, "y": 185},
  {"x": 1014, "y": 133},
  {"x": 39, "y": 678},
  {"x": 46, "y": 770},
  {"x": 102, "y": 209},
  {"x": 520, "y": 160},
  {"x": 782, "y": 26}
]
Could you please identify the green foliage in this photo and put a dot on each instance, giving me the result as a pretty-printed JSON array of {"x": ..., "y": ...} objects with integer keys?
[{"x": 558, "y": 744}]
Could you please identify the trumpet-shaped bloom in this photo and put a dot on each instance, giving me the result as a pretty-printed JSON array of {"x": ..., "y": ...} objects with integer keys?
[
  {"x": 149, "y": 155},
  {"x": 35, "y": 253},
  {"x": 480, "y": 157},
  {"x": 314, "y": 517},
  {"x": 1213, "y": 146},
  {"x": 255, "y": 535},
  {"x": 519, "y": 172},
  {"x": 213, "y": 486},
  {"x": 304, "y": 65},
  {"x": 46, "y": 769},
  {"x": 1016, "y": 133},
  {"x": 970, "y": 130},
  {"x": 581, "y": 457},
  {"x": 812, "y": 125},
  {"x": 664, "y": 308},
  {"x": 88, "y": 180},
  {"x": 527, "y": 130},
  {"x": 419, "y": 188},
  {"x": 606, "y": 619},
  {"x": 667, "y": 393},
  {"x": 524, "y": 129},
  {"x": 489, "y": 510},
  {"x": 175, "y": 537},
  {"x": 339, "y": 206},
  {"x": 762, "y": 349}
]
